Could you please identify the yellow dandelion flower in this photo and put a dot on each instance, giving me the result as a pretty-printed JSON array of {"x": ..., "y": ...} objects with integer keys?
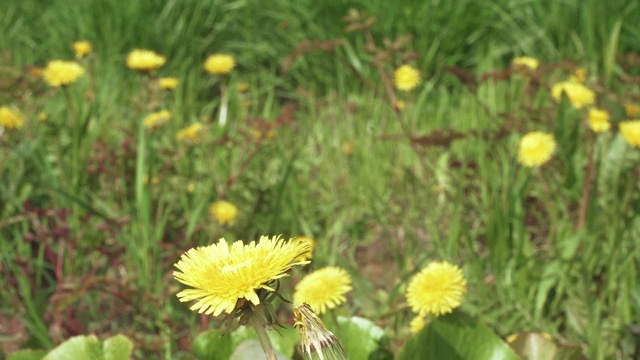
[
  {"x": 525, "y": 61},
  {"x": 62, "y": 73},
  {"x": 154, "y": 180},
  {"x": 43, "y": 116},
  {"x": 630, "y": 131},
  {"x": 157, "y": 119},
  {"x": 243, "y": 87},
  {"x": 316, "y": 340},
  {"x": 81, "y": 48},
  {"x": 578, "y": 94},
  {"x": 579, "y": 76},
  {"x": 226, "y": 277},
  {"x": 347, "y": 147},
  {"x": 311, "y": 243},
  {"x": 191, "y": 134},
  {"x": 632, "y": 110},
  {"x": 536, "y": 148},
  {"x": 223, "y": 211},
  {"x": 406, "y": 78},
  {"x": 599, "y": 120},
  {"x": 417, "y": 324},
  {"x": 437, "y": 289},
  {"x": 144, "y": 60},
  {"x": 323, "y": 288},
  {"x": 168, "y": 83},
  {"x": 219, "y": 64},
  {"x": 11, "y": 119}
]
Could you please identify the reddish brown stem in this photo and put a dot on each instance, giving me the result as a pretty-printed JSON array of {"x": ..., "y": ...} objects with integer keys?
[{"x": 586, "y": 190}]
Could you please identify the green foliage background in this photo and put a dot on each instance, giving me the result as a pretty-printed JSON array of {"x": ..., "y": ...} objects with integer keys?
[{"x": 380, "y": 208}]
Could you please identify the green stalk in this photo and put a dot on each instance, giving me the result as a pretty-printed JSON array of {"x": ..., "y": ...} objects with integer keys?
[{"x": 258, "y": 321}]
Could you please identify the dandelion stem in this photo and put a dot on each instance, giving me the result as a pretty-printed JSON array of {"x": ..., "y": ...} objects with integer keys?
[
  {"x": 258, "y": 321},
  {"x": 588, "y": 182}
]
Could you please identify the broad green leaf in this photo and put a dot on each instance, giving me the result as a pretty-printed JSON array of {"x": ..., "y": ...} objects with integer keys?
[
  {"x": 534, "y": 346},
  {"x": 77, "y": 348},
  {"x": 359, "y": 336},
  {"x": 456, "y": 336},
  {"x": 213, "y": 345},
  {"x": 118, "y": 347},
  {"x": 27, "y": 355},
  {"x": 284, "y": 340},
  {"x": 218, "y": 345},
  {"x": 252, "y": 350}
]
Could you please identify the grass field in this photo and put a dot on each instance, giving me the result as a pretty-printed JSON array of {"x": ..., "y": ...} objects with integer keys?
[{"x": 96, "y": 208}]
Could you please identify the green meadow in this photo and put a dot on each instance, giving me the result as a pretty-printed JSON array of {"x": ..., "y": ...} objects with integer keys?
[{"x": 96, "y": 207}]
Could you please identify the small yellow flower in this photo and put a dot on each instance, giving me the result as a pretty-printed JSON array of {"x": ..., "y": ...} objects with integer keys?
[
  {"x": 219, "y": 64},
  {"x": 223, "y": 211},
  {"x": 154, "y": 180},
  {"x": 144, "y": 60},
  {"x": 437, "y": 289},
  {"x": 191, "y": 134},
  {"x": 323, "y": 289},
  {"x": 511, "y": 338},
  {"x": 400, "y": 105},
  {"x": 311, "y": 243},
  {"x": 578, "y": 94},
  {"x": 579, "y": 76},
  {"x": 157, "y": 119},
  {"x": 630, "y": 131},
  {"x": 11, "y": 119},
  {"x": 225, "y": 278},
  {"x": 347, "y": 147},
  {"x": 407, "y": 78},
  {"x": 43, "y": 116},
  {"x": 168, "y": 83},
  {"x": 632, "y": 110},
  {"x": 525, "y": 61},
  {"x": 536, "y": 148},
  {"x": 62, "y": 73},
  {"x": 599, "y": 120},
  {"x": 243, "y": 87},
  {"x": 417, "y": 324},
  {"x": 316, "y": 341},
  {"x": 81, "y": 48}
]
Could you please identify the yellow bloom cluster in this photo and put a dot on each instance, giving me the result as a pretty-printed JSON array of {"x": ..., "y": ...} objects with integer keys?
[
  {"x": 578, "y": 94},
  {"x": 157, "y": 119},
  {"x": 223, "y": 212},
  {"x": 599, "y": 120},
  {"x": 525, "y": 61},
  {"x": 630, "y": 131},
  {"x": 407, "y": 78},
  {"x": 536, "y": 148},
  {"x": 62, "y": 73},
  {"x": 144, "y": 60},
  {"x": 81, "y": 48},
  {"x": 436, "y": 289},
  {"x": 10, "y": 119},
  {"x": 224, "y": 277},
  {"x": 191, "y": 134},
  {"x": 168, "y": 83},
  {"x": 219, "y": 64},
  {"x": 323, "y": 289}
]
